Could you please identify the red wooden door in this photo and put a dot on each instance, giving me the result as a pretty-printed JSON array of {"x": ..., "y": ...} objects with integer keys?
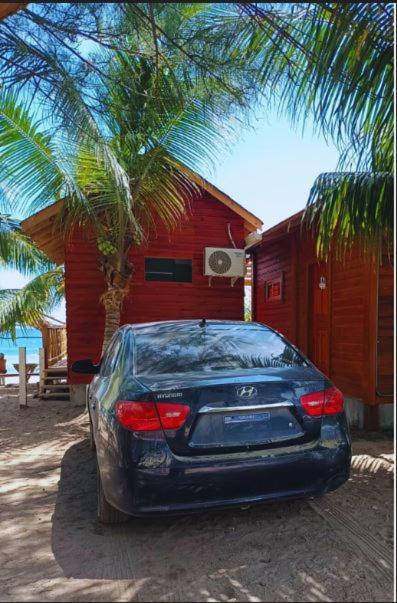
[{"x": 318, "y": 317}]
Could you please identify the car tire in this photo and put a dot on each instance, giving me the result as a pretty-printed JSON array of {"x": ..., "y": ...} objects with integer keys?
[{"x": 106, "y": 513}]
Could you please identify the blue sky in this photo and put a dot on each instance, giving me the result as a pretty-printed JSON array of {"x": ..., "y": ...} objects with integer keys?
[
  {"x": 269, "y": 171},
  {"x": 272, "y": 167}
]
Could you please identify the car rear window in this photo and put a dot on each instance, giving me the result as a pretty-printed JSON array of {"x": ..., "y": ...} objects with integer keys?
[{"x": 189, "y": 348}]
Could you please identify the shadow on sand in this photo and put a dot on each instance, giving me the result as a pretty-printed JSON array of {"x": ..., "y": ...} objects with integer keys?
[{"x": 224, "y": 555}]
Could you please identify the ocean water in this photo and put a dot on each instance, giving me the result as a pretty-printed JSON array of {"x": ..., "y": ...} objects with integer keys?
[{"x": 29, "y": 338}]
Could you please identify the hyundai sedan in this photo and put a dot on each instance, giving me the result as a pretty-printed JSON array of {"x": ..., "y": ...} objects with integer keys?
[{"x": 190, "y": 415}]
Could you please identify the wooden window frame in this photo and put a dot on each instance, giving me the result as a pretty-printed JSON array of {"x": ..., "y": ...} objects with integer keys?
[
  {"x": 278, "y": 280},
  {"x": 187, "y": 261}
]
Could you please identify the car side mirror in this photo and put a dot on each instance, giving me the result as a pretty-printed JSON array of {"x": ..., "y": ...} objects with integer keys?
[{"x": 86, "y": 367}]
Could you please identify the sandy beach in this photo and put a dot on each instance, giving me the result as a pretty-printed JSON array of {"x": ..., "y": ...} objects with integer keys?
[{"x": 52, "y": 548}]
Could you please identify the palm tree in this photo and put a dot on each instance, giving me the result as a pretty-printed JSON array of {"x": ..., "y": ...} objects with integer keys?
[
  {"x": 29, "y": 305},
  {"x": 121, "y": 170},
  {"x": 18, "y": 251},
  {"x": 333, "y": 61},
  {"x": 114, "y": 137}
]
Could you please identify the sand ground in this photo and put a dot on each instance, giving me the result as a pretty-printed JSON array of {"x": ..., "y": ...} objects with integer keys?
[{"x": 338, "y": 548}]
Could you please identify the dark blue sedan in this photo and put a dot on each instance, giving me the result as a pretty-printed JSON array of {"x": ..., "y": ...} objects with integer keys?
[{"x": 189, "y": 415}]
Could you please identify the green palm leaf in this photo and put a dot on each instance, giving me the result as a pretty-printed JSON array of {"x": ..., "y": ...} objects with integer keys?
[
  {"x": 18, "y": 251},
  {"x": 28, "y": 306},
  {"x": 28, "y": 166},
  {"x": 350, "y": 207},
  {"x": 333, "y": 61}
]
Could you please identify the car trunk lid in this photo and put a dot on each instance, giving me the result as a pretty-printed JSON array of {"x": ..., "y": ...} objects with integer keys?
[{"x": 238, "y": 410}]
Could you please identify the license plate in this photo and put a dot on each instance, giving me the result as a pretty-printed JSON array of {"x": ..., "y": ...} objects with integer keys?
[{"x": 253, "y": 417}]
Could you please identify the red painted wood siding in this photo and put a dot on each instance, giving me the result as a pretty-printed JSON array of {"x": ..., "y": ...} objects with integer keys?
[
  {"x": 351, "y": 326},
  {"x": 84, "y": 285},
  {"x": 352, "y": 309},
  {"x": 385, "y": 340},
  {"x": 205, "y": 226},
  {"x": 318, "y": 325},
  {"x": 271, "y": 261}
]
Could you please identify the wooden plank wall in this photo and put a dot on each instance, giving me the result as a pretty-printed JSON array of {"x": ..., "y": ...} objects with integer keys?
[
  {"x": 306, "y": 254},
  {"x": 269, "y": 262},
  {"x": 353, "y": 325},
  {"x": 204, "y": 226},
  {"x": 54, "y": 342},
  {"x": 385, "y": 347},
  {"x": 171, "y": 301},
  {"x": 352, "y": 342},
  {"x": 84, "y": 284}
]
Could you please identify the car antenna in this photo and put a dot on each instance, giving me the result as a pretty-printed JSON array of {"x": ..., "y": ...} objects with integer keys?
[{"x": 202, "y": 323}]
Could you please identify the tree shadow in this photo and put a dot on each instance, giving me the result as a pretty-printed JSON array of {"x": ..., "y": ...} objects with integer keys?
[
  {"x": 270, "y": 552},
  {"x": 280, "y": 551}
]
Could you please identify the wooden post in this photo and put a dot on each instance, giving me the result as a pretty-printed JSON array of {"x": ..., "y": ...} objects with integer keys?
[
  {"x": 23, "y": 398},
  {"x": 41, "y": 370}
]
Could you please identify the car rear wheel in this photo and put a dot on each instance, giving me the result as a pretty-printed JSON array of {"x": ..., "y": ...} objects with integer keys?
[{"x": 106, "y": 513}]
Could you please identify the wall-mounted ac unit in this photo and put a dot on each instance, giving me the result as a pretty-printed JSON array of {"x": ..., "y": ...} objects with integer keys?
[{"x": 224, "y": 262}]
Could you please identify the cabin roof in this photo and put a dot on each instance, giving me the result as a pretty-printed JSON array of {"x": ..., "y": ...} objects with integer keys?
[
  {"x": 282, "y": 228},
  {"x": 41, "y": 227}
]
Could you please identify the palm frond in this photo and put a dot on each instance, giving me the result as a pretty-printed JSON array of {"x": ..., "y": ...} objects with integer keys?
[
  {"x": 28, "y": 166},
  {"x": 152, "y": 122},
  {"x": 334, "y": 60},
  {"x": 28, "y": 306},
  {"x": 350, "y": 207},
  {"x": 18, "y": 251},
  {"x": 36, "y": 165}
]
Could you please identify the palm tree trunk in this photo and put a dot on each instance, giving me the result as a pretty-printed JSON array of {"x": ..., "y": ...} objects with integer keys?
[
  {"x": 113, "y": 301},
  {"x": 117, "y": 271}
]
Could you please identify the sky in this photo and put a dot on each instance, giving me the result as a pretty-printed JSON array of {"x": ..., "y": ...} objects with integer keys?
[
  {"x": 272, "y": 167},
  {"x": 269, "y": 170}
]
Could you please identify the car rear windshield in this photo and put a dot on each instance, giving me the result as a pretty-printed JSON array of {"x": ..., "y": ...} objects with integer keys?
[{"x": 189, "y": 348}]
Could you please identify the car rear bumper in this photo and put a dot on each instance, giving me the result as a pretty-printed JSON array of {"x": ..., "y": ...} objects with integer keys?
[{"x": 161, "y": 482}]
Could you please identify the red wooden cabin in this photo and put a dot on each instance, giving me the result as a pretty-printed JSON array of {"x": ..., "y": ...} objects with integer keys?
[
  {"x": 153, "y": 295},
  {"x": 339, "y": 312}
]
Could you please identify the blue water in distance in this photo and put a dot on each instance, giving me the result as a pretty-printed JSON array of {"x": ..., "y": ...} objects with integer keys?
[{"x": 29, "y": 338}]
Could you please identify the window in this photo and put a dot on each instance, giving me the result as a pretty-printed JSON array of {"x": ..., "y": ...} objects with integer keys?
[
  {"x": 189, "y": 348},
  {"x": 274, "y": 289},
  {"x": 168, "y": 270},
  {"x": 109, "y": 359}
]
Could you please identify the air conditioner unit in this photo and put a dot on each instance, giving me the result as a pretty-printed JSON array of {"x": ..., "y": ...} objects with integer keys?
[{"x": 224, "y": 262}]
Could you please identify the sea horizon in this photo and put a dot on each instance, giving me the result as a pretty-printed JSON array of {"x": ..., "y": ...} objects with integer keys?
[{"x": 29, "y": 338}]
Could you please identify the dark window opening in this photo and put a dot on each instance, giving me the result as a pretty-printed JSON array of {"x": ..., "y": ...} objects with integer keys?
[{"x": 168, "y": 270}]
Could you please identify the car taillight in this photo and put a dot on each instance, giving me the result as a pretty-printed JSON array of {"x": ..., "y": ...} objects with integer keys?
[
  {"x": 324, "y": 402},
  {"x": 148, "y": 416},
  {"x": 172, "y": 416},
  {"x": 138, "y": 416}
]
